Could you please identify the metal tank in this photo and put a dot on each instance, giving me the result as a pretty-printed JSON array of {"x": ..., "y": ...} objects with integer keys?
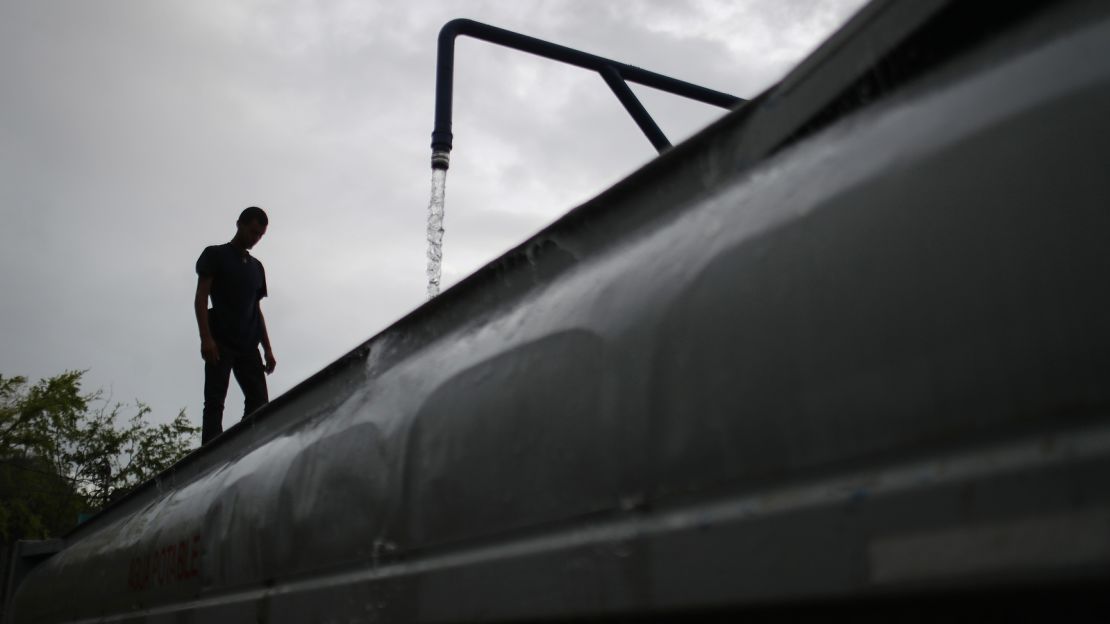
[{"x": 845, "y": 351}]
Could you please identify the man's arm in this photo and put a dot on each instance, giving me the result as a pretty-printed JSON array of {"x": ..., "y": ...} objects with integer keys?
[
  {"x": 271, "y": 362},
  {"x": 208, "y": 349}
]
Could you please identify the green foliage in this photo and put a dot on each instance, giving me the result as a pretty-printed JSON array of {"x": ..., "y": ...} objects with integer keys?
[{"x": 63, "y": 452}]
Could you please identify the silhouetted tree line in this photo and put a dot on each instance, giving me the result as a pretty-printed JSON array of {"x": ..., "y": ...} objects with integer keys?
[{"x": 65, "y": 454}]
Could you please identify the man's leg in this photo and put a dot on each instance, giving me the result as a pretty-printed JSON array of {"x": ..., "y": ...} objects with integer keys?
[
  {"x": 216, "y": 377},
  {"x": 251, "y": 375}
]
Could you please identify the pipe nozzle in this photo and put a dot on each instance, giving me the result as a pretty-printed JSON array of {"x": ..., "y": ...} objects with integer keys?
[{"x": 441, "y": 159}]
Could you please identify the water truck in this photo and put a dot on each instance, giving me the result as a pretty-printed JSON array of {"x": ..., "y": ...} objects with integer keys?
[{"x": 846, "y": 351}]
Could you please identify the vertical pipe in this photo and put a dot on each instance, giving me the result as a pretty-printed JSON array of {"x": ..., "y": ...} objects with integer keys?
[{"x": 445, "y": 78}]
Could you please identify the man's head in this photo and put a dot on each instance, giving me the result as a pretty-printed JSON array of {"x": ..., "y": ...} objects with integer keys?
[{"x": 251, "y": 226}]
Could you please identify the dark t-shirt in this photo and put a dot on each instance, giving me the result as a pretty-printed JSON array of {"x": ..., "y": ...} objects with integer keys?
[{"x": 238, "y": 284}]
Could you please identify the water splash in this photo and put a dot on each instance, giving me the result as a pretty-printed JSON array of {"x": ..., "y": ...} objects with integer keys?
[{"x": 435, "y": 231}]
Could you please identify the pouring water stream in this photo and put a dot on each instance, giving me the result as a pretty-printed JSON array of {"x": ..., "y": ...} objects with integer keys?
[{"x": 435, "y": 231}]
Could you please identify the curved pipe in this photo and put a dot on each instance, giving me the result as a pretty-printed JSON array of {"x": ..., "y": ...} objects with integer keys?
[{"x": 615, "y": 74}]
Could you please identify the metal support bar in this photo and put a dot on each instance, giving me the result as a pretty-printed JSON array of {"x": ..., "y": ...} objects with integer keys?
[
  {"x": 615, "y": 74},
  {"x": 635, "y": 108}
]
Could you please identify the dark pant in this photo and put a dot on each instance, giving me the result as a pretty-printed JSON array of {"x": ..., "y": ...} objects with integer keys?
[{"x": 250, "y": 374}]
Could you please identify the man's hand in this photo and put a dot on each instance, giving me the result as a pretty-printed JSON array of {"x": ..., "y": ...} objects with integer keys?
[
  {"x": 271, "y": 362},
  {"x": 209, "y": 351}
]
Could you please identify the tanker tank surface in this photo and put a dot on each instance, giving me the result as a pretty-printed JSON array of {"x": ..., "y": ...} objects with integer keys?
[{"x": 844, "y": 352}]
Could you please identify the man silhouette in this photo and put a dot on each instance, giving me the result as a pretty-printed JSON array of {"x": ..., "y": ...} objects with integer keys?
[{"x": 231, "y": 331}]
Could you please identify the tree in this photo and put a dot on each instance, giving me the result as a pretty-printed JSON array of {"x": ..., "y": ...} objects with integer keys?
[{"x": 63, "y": 453}]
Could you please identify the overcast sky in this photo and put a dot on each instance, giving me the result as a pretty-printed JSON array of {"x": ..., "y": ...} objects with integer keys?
[{"x": 133, "y": 132}]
